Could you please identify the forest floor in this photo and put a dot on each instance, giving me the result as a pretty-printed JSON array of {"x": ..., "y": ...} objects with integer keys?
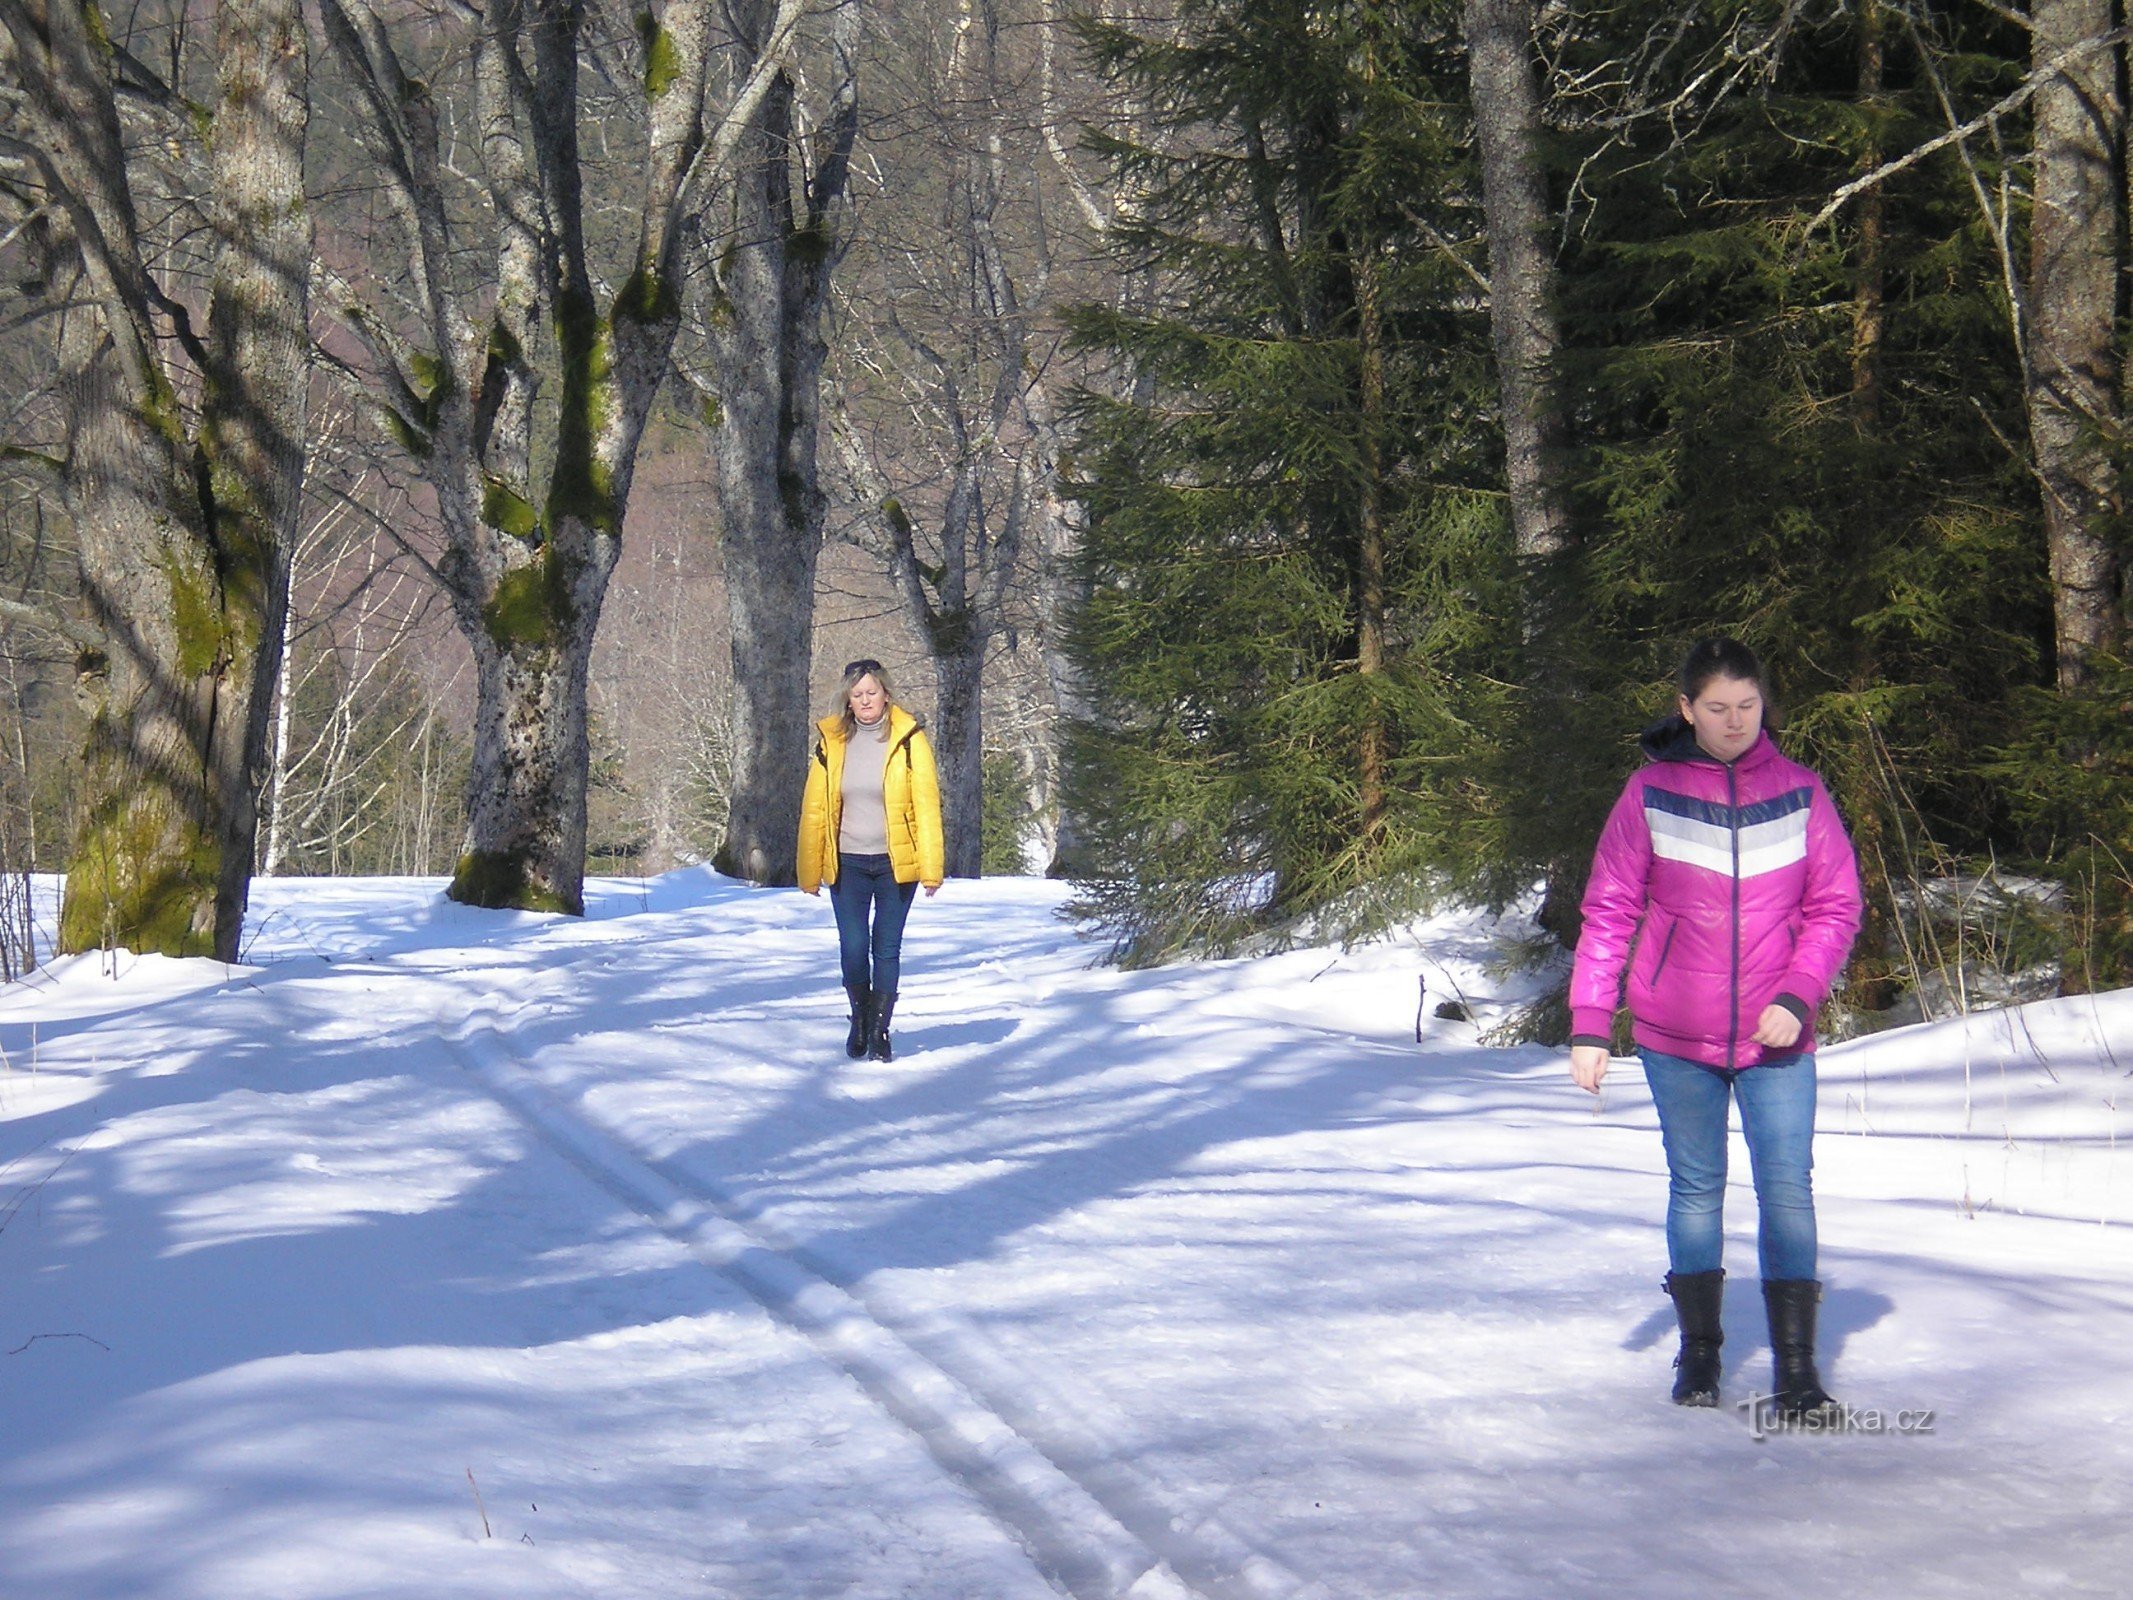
[{"x": 442, "y": 1255}]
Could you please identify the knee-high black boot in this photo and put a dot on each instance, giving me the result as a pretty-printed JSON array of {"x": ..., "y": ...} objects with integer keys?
[
  {"x": 855, "y": 1042},
  {"x": 1797, "y": 1388},
  {"x": 878, "y": 1032},
  {"x": 1698, "y": 1300}
]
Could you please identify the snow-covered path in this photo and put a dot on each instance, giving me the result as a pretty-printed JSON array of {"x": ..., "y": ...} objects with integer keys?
[{"x": 1204, "y": 1282}]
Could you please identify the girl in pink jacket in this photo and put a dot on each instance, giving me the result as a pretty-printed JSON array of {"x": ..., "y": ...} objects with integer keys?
[{"x": 1723, "y": 900}]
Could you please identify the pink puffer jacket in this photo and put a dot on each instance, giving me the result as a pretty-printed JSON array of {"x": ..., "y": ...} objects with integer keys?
[{"x": 1736, "y": 885}]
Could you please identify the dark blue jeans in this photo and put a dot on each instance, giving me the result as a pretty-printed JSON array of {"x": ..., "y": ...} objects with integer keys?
[
  {"x": 1777, "y": 1118},
  {"x": 866, "y": 889}
]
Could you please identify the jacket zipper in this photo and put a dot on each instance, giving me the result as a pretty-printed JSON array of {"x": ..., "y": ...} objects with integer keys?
[
  {"x": 1666, "y": 948},
  {"x": 1733, "y": 1006}
]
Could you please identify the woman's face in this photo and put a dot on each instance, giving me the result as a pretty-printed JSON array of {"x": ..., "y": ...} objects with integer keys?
[
  {"x": 868, "y": 699},
  {"x": 1726, "y": 715}
]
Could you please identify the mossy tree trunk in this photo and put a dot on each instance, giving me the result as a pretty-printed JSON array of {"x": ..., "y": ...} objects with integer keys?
[
  {"x": 532, "y": 486},
  {"x": 773, "y": 251},
  {"x": 182, "y": 469}
]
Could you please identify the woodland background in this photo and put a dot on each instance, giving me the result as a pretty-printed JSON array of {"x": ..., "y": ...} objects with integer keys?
[{"x": 1281, "y": 448}]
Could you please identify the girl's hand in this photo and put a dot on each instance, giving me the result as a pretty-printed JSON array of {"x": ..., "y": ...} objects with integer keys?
[
  {"x": 1588, "y": 1065},
  {"x": 932, "y": 889},
  {"x": 1777, "y": 1028}
]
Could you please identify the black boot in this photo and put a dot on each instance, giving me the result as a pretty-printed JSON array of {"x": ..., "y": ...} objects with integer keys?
[
  {"x": 1698, "y": 1298},
  {"x": 878, "y": 1031},
  {"x": 1797, "y": 1390},
  {"x": 855, "y": 1042}
]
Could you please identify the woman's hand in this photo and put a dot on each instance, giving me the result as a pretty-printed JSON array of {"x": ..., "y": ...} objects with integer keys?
[
  {"x": 932, "y": 889},
  {"x": 1777, "y": 1028},
  {"x": 1588, "y": 1065}
]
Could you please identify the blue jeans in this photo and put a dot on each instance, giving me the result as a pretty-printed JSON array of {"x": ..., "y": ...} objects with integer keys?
[
  {"x": 866, "y": 884},
  {"x": 1777, "y": 1117}
]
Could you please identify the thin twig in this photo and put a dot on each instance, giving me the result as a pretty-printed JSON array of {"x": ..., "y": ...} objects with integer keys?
[{"x": 478, "y": 1506}]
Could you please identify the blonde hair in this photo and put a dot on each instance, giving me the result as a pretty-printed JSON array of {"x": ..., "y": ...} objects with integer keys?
[{"x": 841, "y": 707}]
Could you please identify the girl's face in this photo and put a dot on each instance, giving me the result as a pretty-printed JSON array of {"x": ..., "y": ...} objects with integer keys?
[
  {"x": 1727, "y": 715},
  {"x": 868, "y": 699}
]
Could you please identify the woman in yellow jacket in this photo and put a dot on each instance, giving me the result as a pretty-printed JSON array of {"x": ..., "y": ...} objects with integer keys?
[{"x": 870, "y": 828}]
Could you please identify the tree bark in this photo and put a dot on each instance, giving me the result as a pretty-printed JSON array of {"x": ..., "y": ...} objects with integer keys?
[
  {"x": 183, "y": 526},
  {"x": 2075, "y": 368},
  {"x": 1522, "y": 318},
  {"x": 772, "y": 263}
]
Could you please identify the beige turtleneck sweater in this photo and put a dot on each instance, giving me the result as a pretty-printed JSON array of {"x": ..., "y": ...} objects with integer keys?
[{"x": 863, "y": 824}]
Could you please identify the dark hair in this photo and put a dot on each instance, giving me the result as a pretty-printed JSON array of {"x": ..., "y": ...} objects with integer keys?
[{"x": 1717, "y": 658}]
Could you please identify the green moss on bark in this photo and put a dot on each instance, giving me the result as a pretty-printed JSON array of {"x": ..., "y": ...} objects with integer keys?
[
  {"x": 141, "y": 878},
  {"x": 662, "y": 58},
  {"x": 507, "y": 511},
  {"x": 647, "y": 297},
  {"x": 196, "y": 615},
  {"x": 503, "y": 880},
  {"x": 531, "y": 606},
  {"x": 407, "y": 434},
  {"x": 581, "y": 487},
  {"x": 159, "y": 407}
]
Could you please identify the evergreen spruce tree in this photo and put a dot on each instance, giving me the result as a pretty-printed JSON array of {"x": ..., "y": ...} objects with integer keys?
[{"x": 1293, "y": 544}]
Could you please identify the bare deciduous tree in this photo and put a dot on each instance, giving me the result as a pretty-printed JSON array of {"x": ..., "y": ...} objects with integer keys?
[
  {"x": 777, "y": 237},
  {"x": 531, "y": 491}
]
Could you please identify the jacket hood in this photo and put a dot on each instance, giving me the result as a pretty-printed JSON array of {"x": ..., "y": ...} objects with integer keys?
[{"x": 1671, "y": 739}]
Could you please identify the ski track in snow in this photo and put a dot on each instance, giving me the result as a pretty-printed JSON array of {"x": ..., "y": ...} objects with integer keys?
[{"x": 1089, "y": 1522}]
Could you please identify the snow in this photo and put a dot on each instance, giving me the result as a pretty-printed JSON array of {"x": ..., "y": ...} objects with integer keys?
[{"x": 437, "y": 1253}]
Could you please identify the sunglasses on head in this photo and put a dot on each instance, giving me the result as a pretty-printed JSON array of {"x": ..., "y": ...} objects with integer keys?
[{"x": 861, "y": 667}]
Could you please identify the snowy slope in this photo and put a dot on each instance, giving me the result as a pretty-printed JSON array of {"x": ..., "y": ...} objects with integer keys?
[{"x": 434, "y": 1253}]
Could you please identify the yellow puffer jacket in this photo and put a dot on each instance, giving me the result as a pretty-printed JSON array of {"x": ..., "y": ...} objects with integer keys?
[{"x": 911, "y": 792}]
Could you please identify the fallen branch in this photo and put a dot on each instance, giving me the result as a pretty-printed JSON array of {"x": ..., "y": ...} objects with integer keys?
[{"x": 33, "y": 1338}]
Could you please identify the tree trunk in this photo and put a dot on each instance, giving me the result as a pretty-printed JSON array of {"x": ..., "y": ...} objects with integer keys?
[
  {"x": 2074, "y": 376},
  {"x": 182, "y": 533},
  {"x": 527, "y": 790},
  {"x": 1522, "y": 320},
  {"x": 1370, "y": 562},
  {"x": 770, "y": 595},
  {"x": 772, "y": 273},
  {"x": 959, "y": 740}
]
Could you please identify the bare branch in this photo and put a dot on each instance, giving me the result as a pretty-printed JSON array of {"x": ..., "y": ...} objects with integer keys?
[{"x": 2000, "y": 108}]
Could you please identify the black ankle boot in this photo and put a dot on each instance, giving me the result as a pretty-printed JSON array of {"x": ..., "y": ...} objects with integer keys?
[
  {"x": 878, "y": 1031},
  {"x": 1797, "y": 1389},
  {"x": 1698, "y": 1298},
  {"x": 855, "y": 1042}
]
